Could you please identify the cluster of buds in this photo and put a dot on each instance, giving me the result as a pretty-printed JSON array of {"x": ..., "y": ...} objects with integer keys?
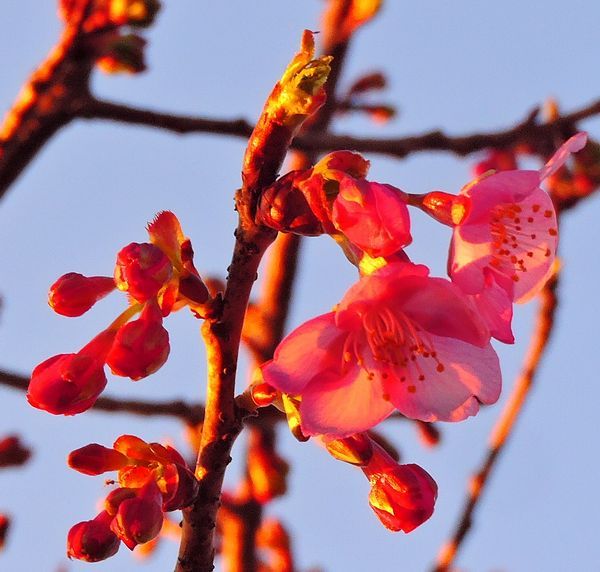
[
  {"x": 402, "y": 496},
  {"x": 107, "y": 39},
  {"x": 158, "y": 277},
  {"x": 153, "y": 479}
]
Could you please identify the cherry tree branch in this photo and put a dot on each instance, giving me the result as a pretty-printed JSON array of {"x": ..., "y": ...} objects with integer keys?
[
  {"x": 190, "y": 413},
  {"x": 505, "y": 424},
  {"x": 540, "y": 135}
]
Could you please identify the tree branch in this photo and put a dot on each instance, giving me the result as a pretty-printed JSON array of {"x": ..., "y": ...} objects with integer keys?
[
  {"x": 506, "y": 423},
  {"x": 190, "y": 413}
]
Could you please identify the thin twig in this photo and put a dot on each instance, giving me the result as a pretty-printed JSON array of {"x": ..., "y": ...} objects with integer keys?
[
  {"x": 526, "y": 131},
  {"x": 190, "y": 413},
  {"x": 506, "y": 423}
]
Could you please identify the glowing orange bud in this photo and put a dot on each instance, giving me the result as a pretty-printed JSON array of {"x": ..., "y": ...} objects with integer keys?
[
  {"x": 355, "y": 449},
  {"x": 142, "y": 270},
  {"x": 443, "y": 207},
  {"x": 95, "y": 459},
  {"x": 12, "y": 452},
  {"x": 133, "y": 447},
  {"x": 139, "y": 519},
  {"x": 263, "y": 394},
  {"x": 4, "y": 526},
  {"x": 74, "y": 294},
  {"x": 181, "y": 487},
  {"x": 92, "y": 540},
  {"x": 66, "y": 384},
  {"x": 358, "y": 13},
  {"x": 141, "y": 347},
  {"x": 349, "y": 162}
]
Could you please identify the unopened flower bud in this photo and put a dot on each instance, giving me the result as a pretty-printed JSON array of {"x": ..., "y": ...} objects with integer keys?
[
  {"x": 74, "y": 294},
  {"x": 141, "y": 347},
  {"x": 182, "y": 487},
  {"x": 139, "y": 519},
  {"x": 284, "y": 207},
  {"x": 113, "y": 500},
  {"x": 95, "y": 459},
  {"x": 142, "y": 270},
  {"x": 92, "y": 540},
  {"x": 66, "y": 384},
  {"x": 402, "y": 496},
  {"x": 443, "y": 207},
  {"x": 12, "y": 452},
  {"x": 263, "y": 394},
  {"x": 496, "y": 160}
]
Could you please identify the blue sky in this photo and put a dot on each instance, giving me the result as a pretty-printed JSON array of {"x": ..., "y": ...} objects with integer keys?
[{"x": 461, "y": 66}]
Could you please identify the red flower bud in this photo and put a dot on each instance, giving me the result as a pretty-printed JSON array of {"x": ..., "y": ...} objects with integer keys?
[
  {"x": 113, "y": 500},
  {"x": 12, "y": 452},
  {"x": 141, "y": 347},
  {"x": 92, "y": 540},
  {"x": 95, "y": 459},
  {"x": 67, "y": 384},
  {"x": 284, "y": 207},
  {"x": 142, "y": 270},
  {"x": 402, "y": 496},
  {"x": 139, "y": 519},
  {"x": 74, "y": 294}
]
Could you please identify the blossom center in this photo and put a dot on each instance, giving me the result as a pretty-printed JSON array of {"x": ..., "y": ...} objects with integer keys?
[{"x": 518, "y": 237}]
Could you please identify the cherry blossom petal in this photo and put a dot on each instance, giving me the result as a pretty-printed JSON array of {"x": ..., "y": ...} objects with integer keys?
[
  {"x": 494, "y": 303},
  {"x": 308, "y": 351},
  {"x": 341, "y": 405},
  {"x": 372, "y": 216},
  {"x": 572, "y": 145},
  {"x": 469, "y": 376}
]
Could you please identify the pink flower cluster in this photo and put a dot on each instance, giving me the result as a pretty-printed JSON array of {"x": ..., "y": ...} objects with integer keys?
[{"x": 400, "y": 339}]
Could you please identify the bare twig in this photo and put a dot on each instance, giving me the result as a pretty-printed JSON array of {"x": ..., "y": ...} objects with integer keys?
[
  {"x": 506, "y": 423},
  {"x": 190, "y": 413},
  {"x": 539, "y": 135}
]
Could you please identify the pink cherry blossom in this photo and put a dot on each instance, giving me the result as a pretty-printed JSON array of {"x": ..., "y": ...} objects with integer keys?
[
  {"x": 399, "y": 339},
  {"x": 508, "y": 229},
  {"x": 372, "y": 216}
]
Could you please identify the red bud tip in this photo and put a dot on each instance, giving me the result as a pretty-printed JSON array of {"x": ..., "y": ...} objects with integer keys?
[
  {"x": 66, "y": 384},
  {"x": 140, "y": 347},
  {"x": 74, "y": 294},
  {"x": 95, "y": 459},
  {"x": 92, "y": 540},
  {"x": 12, "y": 452},
  {"x": 263, "y": 394},
  {"x": 142, "y": 270}
]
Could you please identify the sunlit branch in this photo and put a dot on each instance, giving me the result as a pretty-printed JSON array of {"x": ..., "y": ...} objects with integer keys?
[
  {"x": 190, "y": 413},
  {"x": 506, "y": 423},
  {"x": 541, "y": 136}
]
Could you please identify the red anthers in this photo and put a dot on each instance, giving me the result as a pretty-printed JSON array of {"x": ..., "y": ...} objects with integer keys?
[
  {"x": 12, "y": 452},
  {"x": 153, "y": 479},
  {"x": 74, "y": 294},
  {"x": 402, "y": 496},
  {"x": 141, "y": 347},
  {"x": 92, "y": 540},
  {"x": 160, "y": 278}
]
